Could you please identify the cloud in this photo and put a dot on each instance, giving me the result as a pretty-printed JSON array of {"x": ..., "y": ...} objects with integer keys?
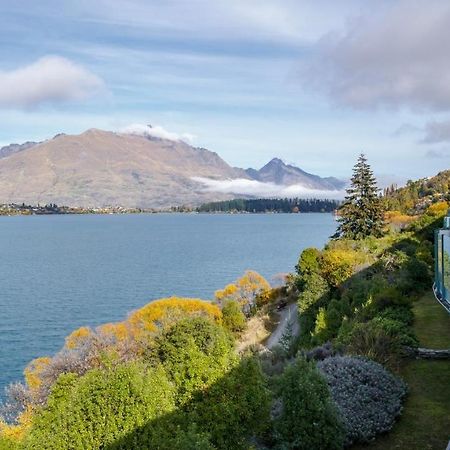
[
  {"x": 438, "y": 154},
  {"x": 156, "y": 131},
  {"x": 406, "y": 129},
  {"x": 242, "y": 186},
  {"x": 437, "y": 132},
  {"x": 395, "y": 58},
  {"x": 51, "y": 79}
]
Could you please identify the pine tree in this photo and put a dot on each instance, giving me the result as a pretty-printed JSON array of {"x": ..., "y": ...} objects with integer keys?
[{"x": 361, "y": 213}]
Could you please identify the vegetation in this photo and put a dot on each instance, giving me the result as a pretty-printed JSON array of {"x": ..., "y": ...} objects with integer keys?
[
  {"x": 368, "y": 397},
  {"x": 170, "y": 377},
  {"x": 424, "y": 422},
  {"x": 308, "y": 419},
  {"x": 277, "y": 205},
  {"x": 250, "y": 291},
  {"x": 361, "y": 214},
  {"x": 418, "y": 195}
]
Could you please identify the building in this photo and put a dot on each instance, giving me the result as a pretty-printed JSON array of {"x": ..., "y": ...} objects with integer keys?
[{"x": 442, "y": 264}]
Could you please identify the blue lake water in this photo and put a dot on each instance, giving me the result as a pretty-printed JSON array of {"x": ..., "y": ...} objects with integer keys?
[{"x": 58, "y": 273}]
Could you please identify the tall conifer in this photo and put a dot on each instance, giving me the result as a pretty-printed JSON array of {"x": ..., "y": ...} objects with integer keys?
[{"x": 361, "y": 214}]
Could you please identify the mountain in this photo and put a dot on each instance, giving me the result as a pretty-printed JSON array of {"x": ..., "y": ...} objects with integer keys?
[
  {"x": 277, "y": 172},
  {"x": 131, "y": 169},
  {"x": 15, "y": 148},
  {"x": 101, "y": 168}
]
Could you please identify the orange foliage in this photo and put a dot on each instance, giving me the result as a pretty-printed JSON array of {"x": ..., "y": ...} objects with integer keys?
[
  {"x": 246, "y": 290},
  {"x": 78, "y": 337},
  {"x": 164, "y": 312},
  {"x": 438, "y": 209},
  {"x": 33, "y": 371},
  {"x": 398, "y": 220},
  {"x": 18, "y": 431},
  {"x": 120, "y": 331}
]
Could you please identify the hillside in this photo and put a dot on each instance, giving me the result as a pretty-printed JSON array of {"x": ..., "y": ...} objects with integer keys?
[
  {"x": 417, "y": 195},
  {"x": 102, "y": 168},
  {"x": 99, "y": 168}
]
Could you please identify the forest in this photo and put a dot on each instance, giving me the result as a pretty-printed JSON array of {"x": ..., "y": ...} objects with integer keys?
[{"x": 271, "y": 205}]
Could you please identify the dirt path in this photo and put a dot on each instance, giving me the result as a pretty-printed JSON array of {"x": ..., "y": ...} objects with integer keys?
[{"x": 287, "y": 315}]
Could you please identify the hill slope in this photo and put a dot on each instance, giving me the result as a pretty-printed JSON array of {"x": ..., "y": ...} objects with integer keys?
[{"x": 99, "y": 168}]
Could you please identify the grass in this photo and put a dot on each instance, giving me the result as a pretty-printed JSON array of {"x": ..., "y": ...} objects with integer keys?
[
  {"x": 432, "y": 323},
  {"x": 425, "y": 422}
]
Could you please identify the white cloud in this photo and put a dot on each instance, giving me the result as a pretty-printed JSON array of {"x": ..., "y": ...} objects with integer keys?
[
  {"x": 395, "y": 57},
  {"x": 156, "y": 131},
  {"x": 242, "y": 186},
  {"x": 51, "y": 79}
]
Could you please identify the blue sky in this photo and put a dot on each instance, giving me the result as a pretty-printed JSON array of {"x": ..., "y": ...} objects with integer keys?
[{"x": 311, "y": 82}]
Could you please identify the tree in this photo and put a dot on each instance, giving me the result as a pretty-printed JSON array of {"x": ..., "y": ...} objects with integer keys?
[
  {"x": 250, "y": 291},
  {"x": 308, "y": 419},
  {"x": 233, "y": 318},
  {"x": 195, "y": 353},
  {"x": 361, "y": 214}
]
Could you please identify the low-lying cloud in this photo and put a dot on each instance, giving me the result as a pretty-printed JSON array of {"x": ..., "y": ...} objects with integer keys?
[
  {"x": 397, "y": 58},
  {"x": 157, "y": 132},
  {"x": 254, "y": 188},
  {"x": 49, "y": 80}
]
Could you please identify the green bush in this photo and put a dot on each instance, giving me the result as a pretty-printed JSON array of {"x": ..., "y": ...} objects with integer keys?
[
  {"x": 235, "y": 408},
  {"x": 233, "y": 319},
  {"x": 308, "y": 419},
  {"x": 95, "y": 410},
  {"x": 403, "y": 314},
  {"x": 372, "y": 341},
  {"x": 397, "y": 329},
  {"x": 308, "y": 264},
  {"x": 315, "y": 292},
  {"x": 195, "y": 353}
]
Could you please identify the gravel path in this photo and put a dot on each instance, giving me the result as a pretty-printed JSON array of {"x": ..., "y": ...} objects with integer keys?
[{"x": 288, "y": 314}]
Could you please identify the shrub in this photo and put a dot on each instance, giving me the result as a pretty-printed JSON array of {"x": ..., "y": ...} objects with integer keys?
[
  {"x": 403, "y": 314},
  {"x": 338, "y": 265},
  {"x": 100, "y": 407},
  {"x": 249, "y": 290},
  {"x": 233, "y": 409},
  {"x": 321, "y": 352},
  {"x": 195, "y": 353},
  {"x": 373, "y": 342},
  {"x": 368, "y": 397},
  {"x": 315, "y": 292},
  {"x": 308, "y": 264},
  {"x": 161, "y": 314},
  {"x": 397, "y": 329},
  {"x": 233, "y": 318},
  {"x": 308, "y": 420}
]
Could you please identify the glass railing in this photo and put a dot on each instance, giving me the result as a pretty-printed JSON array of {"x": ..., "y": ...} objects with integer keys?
[{"x": 442, "y": 265}]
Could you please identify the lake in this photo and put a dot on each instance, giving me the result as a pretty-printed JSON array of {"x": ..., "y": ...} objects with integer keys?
[{"x": 58, "y": 273}]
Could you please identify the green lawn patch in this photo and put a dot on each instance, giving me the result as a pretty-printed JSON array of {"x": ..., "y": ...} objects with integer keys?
[
  {"x": 425, "y": 422},
  {"x": 432, "y": 323}
]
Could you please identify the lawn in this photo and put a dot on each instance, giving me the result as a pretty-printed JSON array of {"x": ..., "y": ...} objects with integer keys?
[{"x": 425, "y": 422}]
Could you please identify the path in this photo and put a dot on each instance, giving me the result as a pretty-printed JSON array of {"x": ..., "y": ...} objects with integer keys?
[{"x": 288, "y": 314}]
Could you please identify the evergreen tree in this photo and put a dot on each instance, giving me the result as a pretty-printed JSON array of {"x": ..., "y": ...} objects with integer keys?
[{"x": 361, "y": 214}]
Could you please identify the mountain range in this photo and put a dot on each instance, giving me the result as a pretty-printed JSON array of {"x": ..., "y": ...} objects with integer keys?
[{"x": 102, "y": 168}]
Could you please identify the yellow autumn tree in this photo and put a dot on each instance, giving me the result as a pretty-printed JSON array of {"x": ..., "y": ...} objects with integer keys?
[
  {"x": 438, "y": 209},
  {"x": 250, "y": 290},
  {"x": 162, "y": 313}
]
